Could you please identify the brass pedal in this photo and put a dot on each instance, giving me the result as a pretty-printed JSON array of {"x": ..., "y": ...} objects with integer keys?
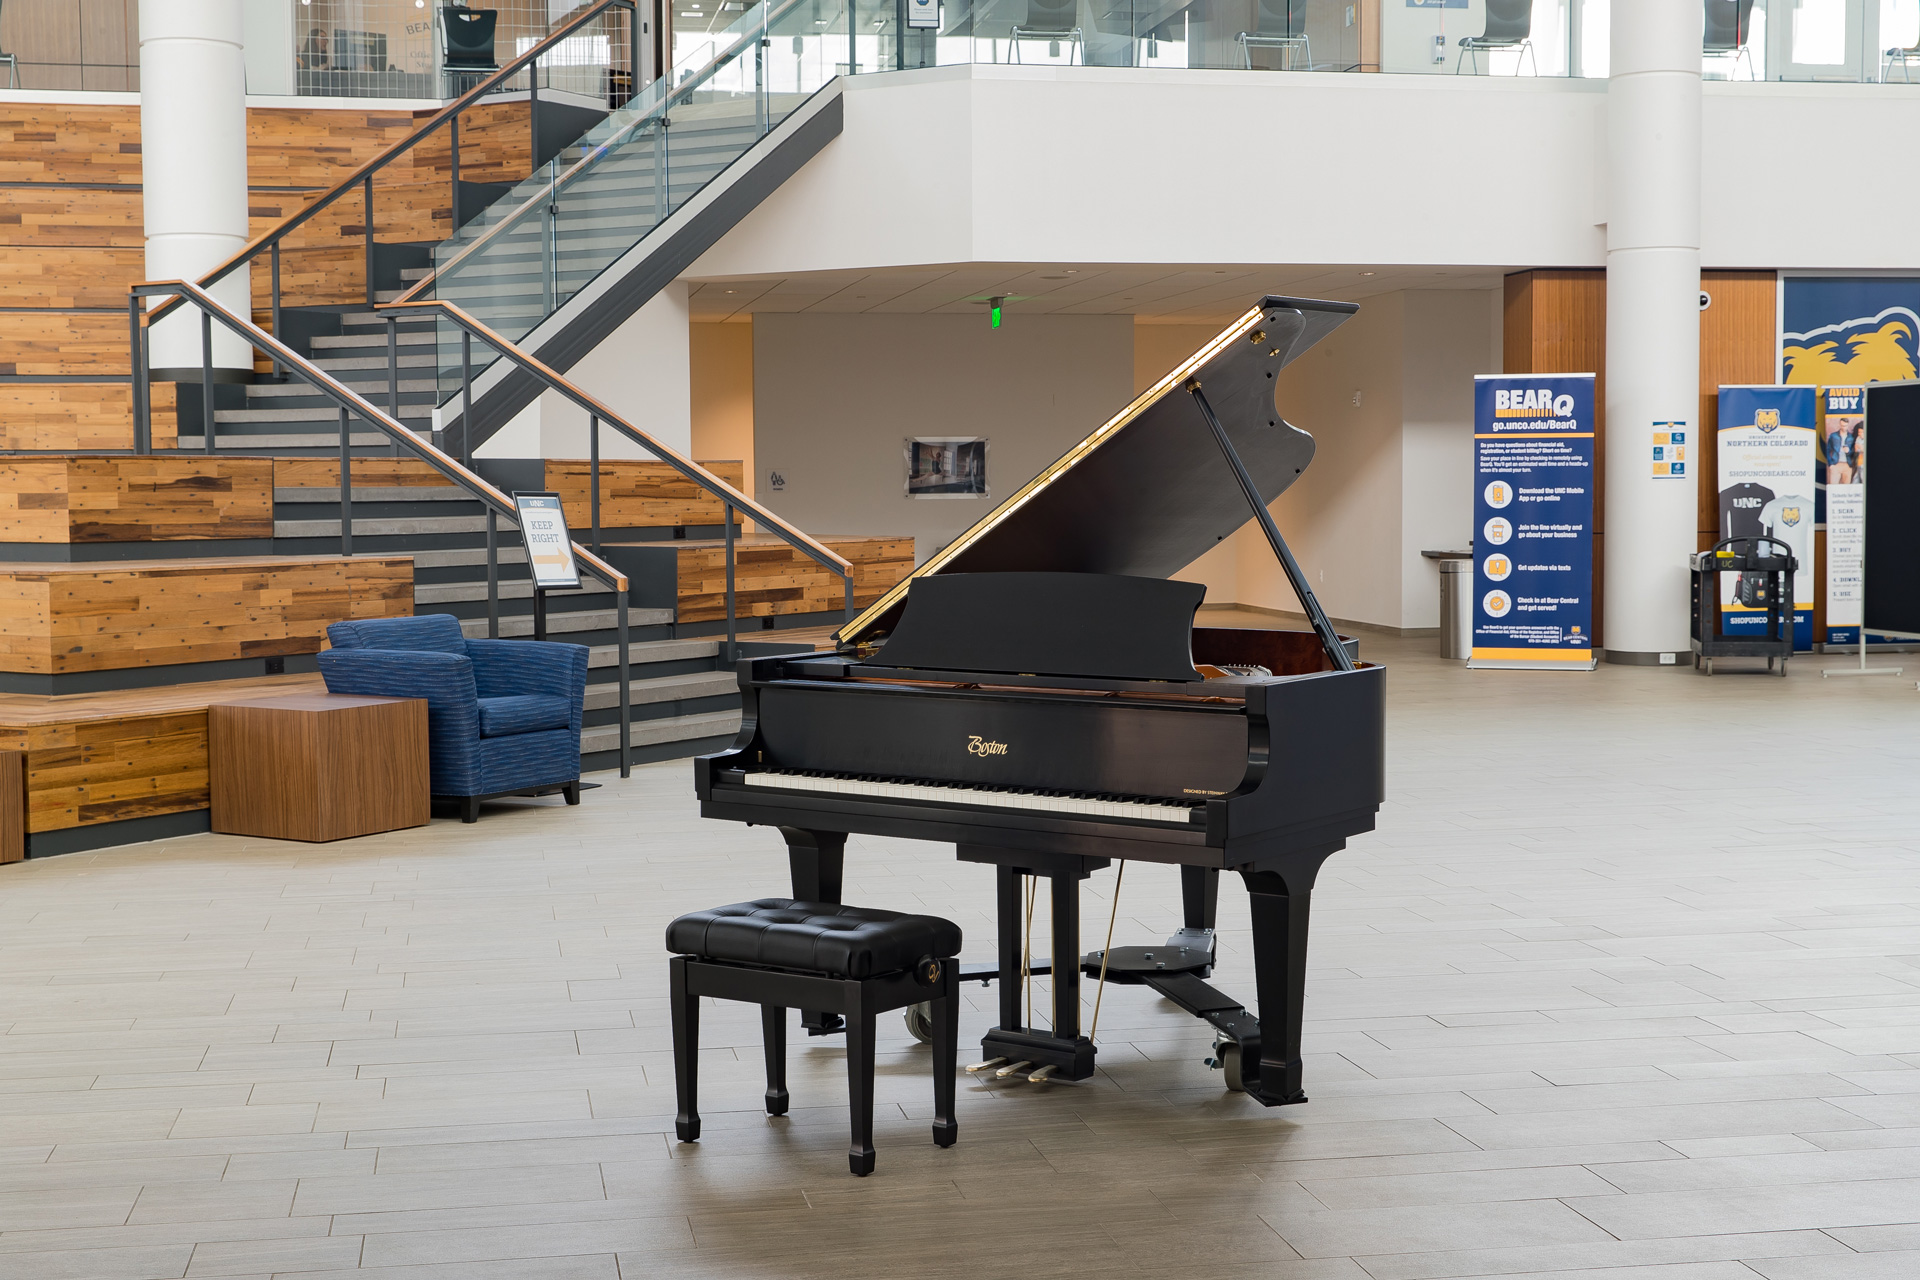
[
  {"x": 1042, "y": 1075},
  {"x": 1013, "y": 1070},
  {"x": 989, "y": 1064}
]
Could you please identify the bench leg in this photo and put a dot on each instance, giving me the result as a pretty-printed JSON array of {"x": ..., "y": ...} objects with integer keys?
[
  {"x": 946, "y": 1050},
  {"x": 773, "y": 1030},
  {"x": 860, "y": 1084},
  {"x": 686, "y": 1051}
]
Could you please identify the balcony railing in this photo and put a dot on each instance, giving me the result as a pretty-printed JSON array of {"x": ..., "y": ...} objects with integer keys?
[{"x": 391, "y": 48}]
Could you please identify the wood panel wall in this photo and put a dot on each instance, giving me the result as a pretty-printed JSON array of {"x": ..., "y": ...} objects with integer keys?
[
  {"x": 72, "y": 240},
  {"x": 1556, "y": 322},
  {"x": 773, "y": 579},
  {"x": 383, "y": 473},
  {"x": 61, "y": 618},
  {"x": 135, "y": 499},
  {"x": 636, "y": 494}
]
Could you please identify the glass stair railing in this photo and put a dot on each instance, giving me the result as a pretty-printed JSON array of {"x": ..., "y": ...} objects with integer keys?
[{"x": 535, "y": 248}]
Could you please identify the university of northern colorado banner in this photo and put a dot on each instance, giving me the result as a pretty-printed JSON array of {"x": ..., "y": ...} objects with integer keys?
[
  {"x": 1767, "y": 449},
  {"x": 1533, "y": 516}
]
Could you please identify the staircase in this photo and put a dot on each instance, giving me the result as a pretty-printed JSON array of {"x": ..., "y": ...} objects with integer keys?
[{"x": 684, "y": 700}]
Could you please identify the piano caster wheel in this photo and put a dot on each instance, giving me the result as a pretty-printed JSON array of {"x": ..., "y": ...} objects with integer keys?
[
  {"x": 1227, "y": 1058},
  {"x": 920, "y": 1022}
]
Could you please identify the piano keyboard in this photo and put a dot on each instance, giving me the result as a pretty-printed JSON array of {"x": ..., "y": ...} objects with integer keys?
[{"x": 1174, "y": 812}]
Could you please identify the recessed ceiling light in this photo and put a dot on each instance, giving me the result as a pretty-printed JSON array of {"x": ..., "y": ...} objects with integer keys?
[
  {"x": 1367, "y": 273},
  {"x": 729, "y": 291}
]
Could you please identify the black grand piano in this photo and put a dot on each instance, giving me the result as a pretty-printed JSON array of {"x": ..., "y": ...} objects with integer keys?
[{"x": 1037, "y": 695}]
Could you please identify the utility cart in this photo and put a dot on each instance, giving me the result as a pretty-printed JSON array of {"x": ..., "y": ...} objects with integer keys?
[{"x": 1766, "y": 567}]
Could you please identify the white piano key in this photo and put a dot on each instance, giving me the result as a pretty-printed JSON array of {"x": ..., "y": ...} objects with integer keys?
[{"x": 1150, "y": 811}]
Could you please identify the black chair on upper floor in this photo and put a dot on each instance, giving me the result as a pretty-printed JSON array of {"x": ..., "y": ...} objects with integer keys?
[
  {"x": 1282, "y": 25},
  {"x": 1728, "y": 27},
  {"x": 781, "y": 954},
  {"x": 1509, "y": 26},
  {"x": 467, "y": 45}
]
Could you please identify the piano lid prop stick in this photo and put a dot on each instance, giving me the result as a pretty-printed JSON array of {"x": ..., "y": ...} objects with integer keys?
[
  {"x": 1336, "y": 652},
  {"x": 1026, "y": 954},
  {"x": 1100, "y": 989}
]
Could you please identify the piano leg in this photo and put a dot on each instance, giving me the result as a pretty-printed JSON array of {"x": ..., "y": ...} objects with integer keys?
[
  {"x": 1280, "y": 982},
  {"x": 1200, "y": 909},
  {"x": 1007, "y": 885},
  {"x": 1061, "y": 1046},
  {"x": 817, "y": 861}
]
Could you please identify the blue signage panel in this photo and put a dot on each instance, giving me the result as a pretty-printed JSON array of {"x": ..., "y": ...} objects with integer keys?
[{"x": 1533, "y": 521}]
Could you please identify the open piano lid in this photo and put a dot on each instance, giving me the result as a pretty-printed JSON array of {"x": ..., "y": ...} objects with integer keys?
[{"x": 1149, "y": 492}]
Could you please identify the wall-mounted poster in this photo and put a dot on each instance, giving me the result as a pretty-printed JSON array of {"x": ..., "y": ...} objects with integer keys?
[
  {"x": 1767, "y": 449},
  {"x": 1849, "y": 329},
  {"x": 946, "y": 468}
]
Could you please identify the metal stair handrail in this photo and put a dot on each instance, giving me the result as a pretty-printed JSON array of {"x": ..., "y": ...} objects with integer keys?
[
  {"x": 675, "y": 95},
  {"x": 598, "y": 411},
  {"x": 363, "y": 176},
  {"x": 351, "y": 402}
]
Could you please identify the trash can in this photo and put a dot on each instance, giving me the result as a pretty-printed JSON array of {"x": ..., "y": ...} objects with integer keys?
[{"x": 1456, "y": 609}]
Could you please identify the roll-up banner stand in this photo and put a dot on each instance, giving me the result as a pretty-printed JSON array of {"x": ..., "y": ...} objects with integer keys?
[
  {"x": 1841, "y": 478},
  {"x": 1767, "y": 445},
  {"x": 1533, "y": 508},
  {"x": 1890, "y": 595}
]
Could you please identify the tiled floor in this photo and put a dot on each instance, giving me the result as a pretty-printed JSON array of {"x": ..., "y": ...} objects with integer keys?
[{"x": 1625, "y": 987}]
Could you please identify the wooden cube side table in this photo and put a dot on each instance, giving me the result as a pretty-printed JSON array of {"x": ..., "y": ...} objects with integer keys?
[{"x": 317, "y": 766}]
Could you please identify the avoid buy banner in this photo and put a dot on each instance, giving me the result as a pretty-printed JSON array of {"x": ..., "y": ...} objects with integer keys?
[
  {"x": 1842, "y": 474},
  {"x": 1768, "y": 448},
  {"x": 1533, "y": 513}
]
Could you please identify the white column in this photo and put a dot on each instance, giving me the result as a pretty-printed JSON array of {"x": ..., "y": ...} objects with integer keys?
[
  {"x": 193, "y": 164},
  {"x": 1653, "y": 320}
]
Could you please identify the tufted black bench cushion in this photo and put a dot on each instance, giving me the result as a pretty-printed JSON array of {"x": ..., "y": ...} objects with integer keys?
[{"x": 813, "y": 937}]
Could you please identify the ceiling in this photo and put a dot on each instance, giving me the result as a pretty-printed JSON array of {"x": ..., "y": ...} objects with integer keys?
[{"x": 1165, "y": 293}]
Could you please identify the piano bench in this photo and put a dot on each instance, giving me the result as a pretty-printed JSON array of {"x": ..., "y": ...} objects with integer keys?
[{"x": 782, "y": 954}]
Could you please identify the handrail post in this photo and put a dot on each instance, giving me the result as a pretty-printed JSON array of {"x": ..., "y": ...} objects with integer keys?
[
  {"x": 533, "y": 116},
  {"x": 593, "y": 461},
  {"x": 466, "y": 399},
  {"x": 493, "y": 573},
  {"x": 277, "y": 371},
  {"x": 369, "y": 220},
  {"x": 846, "y": 579},
  {"x": 626, "y": 693},
  {"x": 853, "y": 47},
  {"x": 732, "y": 650},
  {"x": 393, "y": 376},
  {"x": 206, "y": 376},
  {"x": 454, "y": 130},
  {"x": 137, "y": 383},
  {"x": 633, "y": 69},
  {"x": 346, "y": 486}
]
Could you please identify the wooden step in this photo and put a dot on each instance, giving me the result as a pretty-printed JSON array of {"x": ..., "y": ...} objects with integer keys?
[
  {"x": 135, "y": 499},
  {"x": 638, "y": 494},
  {"x": 771, "y": 578},
  {"x": 60, "y": 619},
  {"x": 79, "y": 415},
  {"x": 107, "y": 757}
]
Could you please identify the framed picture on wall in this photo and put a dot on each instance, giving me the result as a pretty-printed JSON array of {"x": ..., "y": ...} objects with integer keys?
[{"x": 946, "y": 468}]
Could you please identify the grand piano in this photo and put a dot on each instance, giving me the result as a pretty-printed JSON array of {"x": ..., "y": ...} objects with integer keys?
[{"x": 1037, "y": 695}]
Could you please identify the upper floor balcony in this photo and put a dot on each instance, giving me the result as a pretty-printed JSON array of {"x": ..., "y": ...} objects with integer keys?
[{"x": 398, "y": 48}]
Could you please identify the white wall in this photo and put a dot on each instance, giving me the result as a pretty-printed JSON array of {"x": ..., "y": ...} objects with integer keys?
[
  {"x": 269, "y": 49},
  {"x": 1035, "y": 164},
  {"x": 642, "y": 372},
  {"x": 1391, "y": 476},
  {"x": 834, "y": 396}
]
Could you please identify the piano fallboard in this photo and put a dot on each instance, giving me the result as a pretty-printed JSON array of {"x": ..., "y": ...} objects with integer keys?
[{"x": 1036, "y": 741}]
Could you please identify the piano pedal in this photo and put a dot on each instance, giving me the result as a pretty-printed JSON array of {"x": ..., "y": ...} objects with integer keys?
[
  {"x": 1013, "y": 1070},
  {"x": 1041, "y": 1076},
  {"x": 988, "y": 1065}
]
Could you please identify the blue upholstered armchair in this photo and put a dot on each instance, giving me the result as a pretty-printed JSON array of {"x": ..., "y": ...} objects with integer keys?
[{"x": 503, "y": 716}]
